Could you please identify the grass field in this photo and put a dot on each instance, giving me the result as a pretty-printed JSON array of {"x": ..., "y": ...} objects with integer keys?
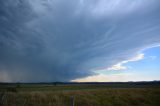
[{"x": 84, "y": 95}]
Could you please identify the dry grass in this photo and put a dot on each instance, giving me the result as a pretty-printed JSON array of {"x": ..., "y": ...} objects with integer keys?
[{"x": 98, "y": 97}]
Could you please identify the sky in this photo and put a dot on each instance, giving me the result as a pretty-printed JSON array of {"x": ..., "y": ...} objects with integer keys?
[{"x": 79, "y": 40}]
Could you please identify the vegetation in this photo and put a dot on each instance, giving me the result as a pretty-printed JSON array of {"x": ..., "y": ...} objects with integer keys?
[{"x": 84, "y": 95}]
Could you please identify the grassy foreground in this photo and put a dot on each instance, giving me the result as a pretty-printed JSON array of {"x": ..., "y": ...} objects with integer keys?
[{"x": 83, "y": 96}]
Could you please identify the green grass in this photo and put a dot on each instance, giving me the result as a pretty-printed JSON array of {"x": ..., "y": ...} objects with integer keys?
[{"x": 85, "y": 95}]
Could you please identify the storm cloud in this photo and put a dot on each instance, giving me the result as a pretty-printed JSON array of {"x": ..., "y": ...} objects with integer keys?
[{"x": 61, "y": 40}]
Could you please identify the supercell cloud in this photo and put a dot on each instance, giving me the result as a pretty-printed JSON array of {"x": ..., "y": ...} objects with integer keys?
[{"x": 62, "y": 40}]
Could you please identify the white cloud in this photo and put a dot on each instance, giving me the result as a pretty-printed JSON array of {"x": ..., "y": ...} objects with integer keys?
[{"x": 120, "y": 66}]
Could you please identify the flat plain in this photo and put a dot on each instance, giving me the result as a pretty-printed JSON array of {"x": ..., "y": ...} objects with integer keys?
[{"x": 107, "y": 94}]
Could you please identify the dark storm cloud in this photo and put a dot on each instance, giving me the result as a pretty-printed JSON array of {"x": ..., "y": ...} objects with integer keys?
[{"x": 45, "y": 40}]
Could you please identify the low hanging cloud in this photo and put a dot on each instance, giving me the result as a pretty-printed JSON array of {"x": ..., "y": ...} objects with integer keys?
[
  {"x": 123, "y": 77},
  {"x": 59, "y": 40}
]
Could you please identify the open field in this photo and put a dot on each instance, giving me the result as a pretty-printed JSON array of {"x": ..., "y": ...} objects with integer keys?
[{"x": 84, "y": 94}]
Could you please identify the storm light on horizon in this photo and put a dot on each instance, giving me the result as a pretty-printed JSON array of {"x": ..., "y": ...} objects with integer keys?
[{"x": 79, "y": 40}]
